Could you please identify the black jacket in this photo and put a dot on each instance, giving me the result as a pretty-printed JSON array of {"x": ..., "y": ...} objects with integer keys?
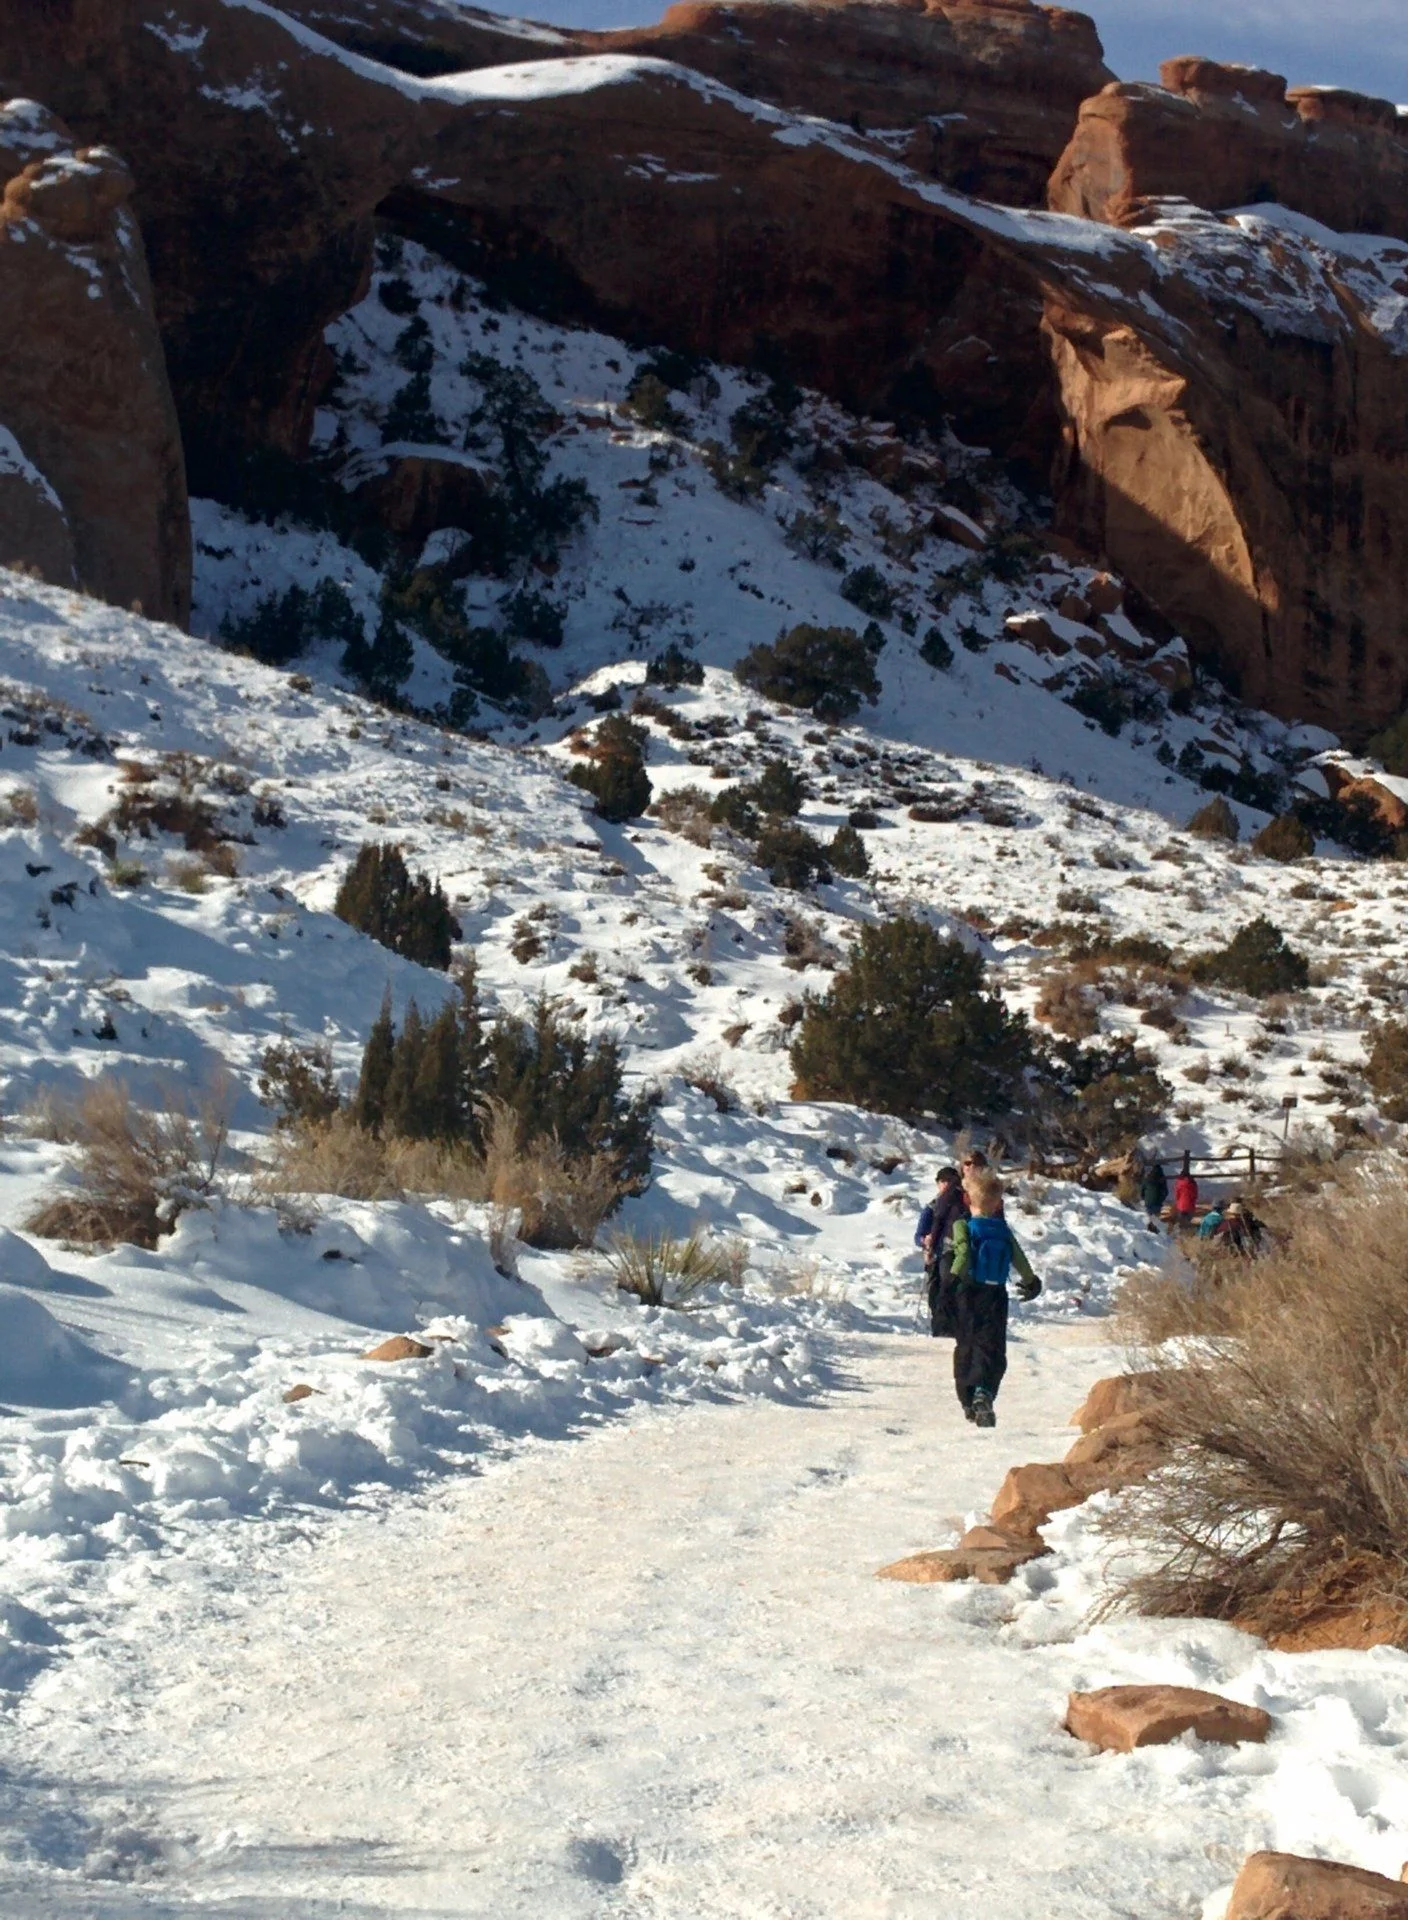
[{"x": 937, "y": 1219}]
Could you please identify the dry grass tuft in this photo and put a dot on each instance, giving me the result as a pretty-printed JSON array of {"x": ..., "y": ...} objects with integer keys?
[
  {"x": 539, "y": 1194},
  {"x": 1286, "y": 1402},
  {"x": 136, "y": 1171},
  {"x": 662, "y": 1271}
]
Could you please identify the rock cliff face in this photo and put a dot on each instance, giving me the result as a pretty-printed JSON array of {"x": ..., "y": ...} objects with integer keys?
[
  {"x": 92, "y": 488},
  {"x": 1222, "y": 136},
  {"x": 646, "y": 199},
  {"x": 982, "y": 94},
  {"x": 259, "y": 158},
  {"x": 986, "y": 92},
  {"x": 1236, "y": 404}
]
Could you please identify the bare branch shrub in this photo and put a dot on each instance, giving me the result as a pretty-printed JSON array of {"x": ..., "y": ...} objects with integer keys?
[
  {"x": 685, "y": 811},
  {"x": 136, "y": 1170},
  {"x": 1288, "y": 1416}
]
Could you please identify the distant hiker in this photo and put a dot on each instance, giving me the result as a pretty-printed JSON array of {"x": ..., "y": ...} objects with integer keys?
[
  {"x": 1153, "y": 1192},
  {"x": 985, "y": 1250},
  {"x": 1211, "y": 1222},
  {"x": 935, "y": 1235},
  {"x": 1241, "y": 1232},
  {"x": 1185, "y": 1197}
]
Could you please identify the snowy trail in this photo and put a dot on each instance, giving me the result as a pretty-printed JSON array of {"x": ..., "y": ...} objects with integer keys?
[{"x": 646, "y": 1673}]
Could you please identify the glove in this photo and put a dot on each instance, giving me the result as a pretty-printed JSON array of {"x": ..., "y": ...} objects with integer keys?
[{"x": 1028, "y": 1289}]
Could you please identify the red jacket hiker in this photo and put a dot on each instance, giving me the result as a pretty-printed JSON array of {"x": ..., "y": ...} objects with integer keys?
[{"x": 1185, "y": 1196}]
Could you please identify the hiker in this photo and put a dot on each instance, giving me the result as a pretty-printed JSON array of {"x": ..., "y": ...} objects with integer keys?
[
  {"x": 1242, "y": 1233},
  {"x": 1211, "y": 1223},
  {"x": 1185, "y": 1197},
  {"x": 1153, "y": 1192},
  {"x": 935, "y": 1235},
  {"x": 984, "y": 1252}
]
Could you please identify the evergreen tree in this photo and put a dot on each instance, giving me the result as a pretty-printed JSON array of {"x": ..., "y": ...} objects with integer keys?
[
  {"x": 369, "y": 1101},
  {"x": 907, "y": 1028},
  {"x": 412, "y": 917},
  {"x": 401, "y": 1118},
  {"x": 438, "y": 1104},
  {"x": 847, "y": 853}
]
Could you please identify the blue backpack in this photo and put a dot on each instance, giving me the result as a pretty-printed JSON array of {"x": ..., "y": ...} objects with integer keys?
[{"x": 990, "y": 1251}]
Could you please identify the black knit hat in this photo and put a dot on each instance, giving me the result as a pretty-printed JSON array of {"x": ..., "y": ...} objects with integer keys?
[{"x": 945, "y": 1173}]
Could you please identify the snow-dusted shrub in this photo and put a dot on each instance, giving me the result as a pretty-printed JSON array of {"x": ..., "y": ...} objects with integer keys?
[
  {"x": 673, "y": 668},
  {"x": 557, "y": 1199},
  {"x": 705, "y": 1073},
  {"x": 662, "y": 1271},
  {"x": 1088, "y": 1101},
  {"x": 869, "y": 592},
  {"x": 411, "y": 916},
  {"x": 686, "y": 811},
  {"x": 790, "y": 855},
  {"x": 847, "y": 853},
  {"x": 1391, "y": 746},
  {"x": 779, "y": 789},
  {"x": 1285, "y": 838},
  {"x": 648, "y": 401},
  {"x": 530, "y": 615},
  {"x": 1386, "y": 1068},
  {"x": 1288, "y": 1422},
  {"x": 907, "y": 1028},
  {"x": 1069, "y": 1000},
  {"x": 936, "y": 650},
  {"x": 136, "y": 1170},
  {"x": 614, "y": 773},
  {"x": 827, "y": 669},
  {"x": 297, "y": 1083},
  {"x": 1257, "y": 960}
]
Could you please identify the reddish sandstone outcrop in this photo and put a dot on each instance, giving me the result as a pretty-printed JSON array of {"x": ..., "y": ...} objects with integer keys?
[
  {"x": 1119, "y": 1719},
  {"x": 988, "y": 89},
  {"x": 259, "y": 160},
  {"x": 1283, "y": 1886},
  {"x": 1224, "y": 136},
  {"x": 92, "y": 487}
]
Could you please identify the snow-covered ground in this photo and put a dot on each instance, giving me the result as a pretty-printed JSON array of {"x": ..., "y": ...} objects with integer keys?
[{"x": 391, "y": 1645}]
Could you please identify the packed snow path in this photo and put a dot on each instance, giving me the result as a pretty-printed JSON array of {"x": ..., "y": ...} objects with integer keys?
[{"x": 651, "y": 1672}]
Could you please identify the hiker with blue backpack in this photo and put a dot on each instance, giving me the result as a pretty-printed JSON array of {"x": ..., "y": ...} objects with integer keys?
[{"x": 985, "y": 1250}]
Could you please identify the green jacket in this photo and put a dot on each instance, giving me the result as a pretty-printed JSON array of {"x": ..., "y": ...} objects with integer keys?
[{"x": 961, "y": 1247}]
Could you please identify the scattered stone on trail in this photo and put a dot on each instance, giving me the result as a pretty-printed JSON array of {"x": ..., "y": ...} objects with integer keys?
[
  {"x": 399, "y": 1347},
  {"x": 602, "y": 1346},
  {"x": 1284, "y": 1886},
  {"x": 1120, "y": 1719},
  {"x": 1097, "y": 1444},
  {"x": 990, "y": 1555},
  {"x": 1117, "y": 1394},
  {"x": 1030, "y": 1495},
  {"x": 299, "y": 1391}
]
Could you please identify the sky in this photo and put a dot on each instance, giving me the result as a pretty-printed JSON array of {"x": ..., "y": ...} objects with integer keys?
[{"x": 1345, "y": 43}]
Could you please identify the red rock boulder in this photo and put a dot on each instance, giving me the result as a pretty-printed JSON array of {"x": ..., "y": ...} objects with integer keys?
[
  {"x": 1119, "y": 1719},
  {"x": 1283, "y": 1886},
  {"x": 92, "y": 482}
]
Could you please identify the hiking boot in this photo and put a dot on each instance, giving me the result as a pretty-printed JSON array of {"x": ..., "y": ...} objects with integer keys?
[
  {"x": 967, "y": 1411},
  {"x": 981, "y": 1413}
]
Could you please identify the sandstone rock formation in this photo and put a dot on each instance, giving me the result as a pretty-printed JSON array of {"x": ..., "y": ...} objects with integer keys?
[
  {"x": 1226, "y": 136},
  {"x": 988, "y": 90},
  {"x": 259, "y": 158},
  {"x": 92, "y": 487},
  {"x": 1283, "y": 1886}
]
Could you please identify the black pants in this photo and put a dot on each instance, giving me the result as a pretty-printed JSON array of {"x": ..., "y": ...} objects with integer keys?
[
  {"x": 980, "y": 1357},
  {"x": 943, "y": 1323}
]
